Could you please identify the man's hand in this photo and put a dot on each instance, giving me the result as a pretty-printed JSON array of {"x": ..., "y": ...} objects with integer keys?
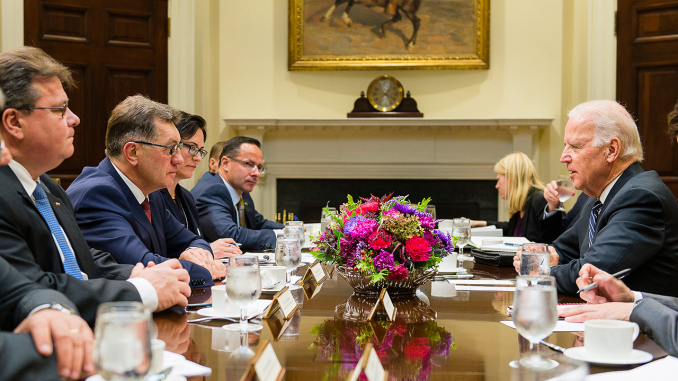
[
  {"x": 616, "y": 311},
  {"x": 516, "y": 260},
  {"x": 551, "y": 196},
  {"x": 610, "y": 289},
  {"x": 224, "y": 247},
  {"x": 71, "y": 336},
  {"x": 169, "y": 280},
  {"x": 553, "y": 258},
  {"x": 204, "y": 258}
]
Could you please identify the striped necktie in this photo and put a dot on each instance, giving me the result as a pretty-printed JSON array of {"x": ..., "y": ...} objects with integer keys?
[
  {"x": 70, "y": 264},
  {"x": 593, "y": 220},
  {"x": 241, "y": 212},
  {"x": 147, "y": 209}
]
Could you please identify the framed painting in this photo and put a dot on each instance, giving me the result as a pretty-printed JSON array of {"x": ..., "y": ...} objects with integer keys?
[{"x": 389, "y": 34}]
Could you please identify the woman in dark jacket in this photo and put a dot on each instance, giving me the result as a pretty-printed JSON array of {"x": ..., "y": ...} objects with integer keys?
[{"x": 178, "y": 200}]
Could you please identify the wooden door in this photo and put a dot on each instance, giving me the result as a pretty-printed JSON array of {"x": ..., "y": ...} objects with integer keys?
[
  {"x": 647, "y": 77},
  {"x": 114, "y": 48}
]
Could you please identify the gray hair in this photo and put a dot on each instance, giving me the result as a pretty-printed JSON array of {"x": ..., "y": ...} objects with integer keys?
[
  {"x": 134, "y": 120},
  {"x": 611, "y": 120}
]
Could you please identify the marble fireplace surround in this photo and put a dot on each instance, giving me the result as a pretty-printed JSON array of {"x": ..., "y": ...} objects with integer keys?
[{"x": 385, "y": 148}]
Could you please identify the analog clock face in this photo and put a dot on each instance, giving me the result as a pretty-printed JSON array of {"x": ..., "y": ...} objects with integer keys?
[{"x": 385, "y": 93}]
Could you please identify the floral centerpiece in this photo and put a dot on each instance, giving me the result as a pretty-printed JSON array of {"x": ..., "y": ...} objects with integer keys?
[{"x": 385, "y": 240}]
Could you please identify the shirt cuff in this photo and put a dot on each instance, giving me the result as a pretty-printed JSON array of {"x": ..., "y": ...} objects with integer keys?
[
  {"x": 547, "y": 214},
  {"x": 277, "y": 232},
  {"x": 149, "y": 298},
  {"x": 637, "y": 296}
]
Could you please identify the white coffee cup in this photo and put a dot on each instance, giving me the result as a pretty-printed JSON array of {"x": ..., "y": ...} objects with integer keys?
[
  {"x": 609, "y": 339},
  {"x": 448, "y": 263},
  {"x": 271, "y": 275},
  {"x": 157, "y": 348},
  {"x": 443, "y": 289},
  {"x": 445, "y": 224},
  {"x": 221, "y": 304}
]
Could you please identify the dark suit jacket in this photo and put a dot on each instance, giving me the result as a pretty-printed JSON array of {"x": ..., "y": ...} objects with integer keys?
[
  {"x": 183, "y": 209},
  {"x": 553, "y": 226},
  {"x": 218, "y": 216},
  {"x": 637, "y": 228},
  {"x": 21, "y": 361},
  {"x": 111, "y": 219},
  {"x": 657, "y": 317},
  {"x": 27, "y": 244},
  {"x": 534, "y": 208}
]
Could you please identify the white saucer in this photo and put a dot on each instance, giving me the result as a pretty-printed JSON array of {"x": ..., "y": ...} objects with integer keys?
[
  {"x": 451, "y": 271},
  {"x": 635, "y": 357},
  {"x": 169, "y": 377},
  {"x": 254, "y": 309},
  {"x": 273, "y": 290}
]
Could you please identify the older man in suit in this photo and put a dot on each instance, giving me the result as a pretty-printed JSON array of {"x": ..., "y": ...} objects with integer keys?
[
  {"x": 38, "y": 232},
  {"x": 631, "y": 220},
  {"x": 224, "y": 204},
  {"x": 116, "y": 203}
]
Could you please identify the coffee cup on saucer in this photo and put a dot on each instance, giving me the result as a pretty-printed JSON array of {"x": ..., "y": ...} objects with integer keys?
[
  {"x": 272, "y": 275},
  {"x": 221, "y": 304},
  {"x": 448, "y": 263},
  {"x": 608, "y": 340}
]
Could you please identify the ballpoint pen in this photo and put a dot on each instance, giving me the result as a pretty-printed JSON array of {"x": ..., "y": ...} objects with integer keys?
[{"x": 617, "y": 275}]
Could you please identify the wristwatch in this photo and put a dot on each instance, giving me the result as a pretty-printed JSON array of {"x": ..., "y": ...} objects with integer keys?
[{"x": 55, "y": 306}]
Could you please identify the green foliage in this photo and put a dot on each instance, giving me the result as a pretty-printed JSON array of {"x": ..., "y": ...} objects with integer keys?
[
  {"x": 432, "y": 261},
  {"x": 335, "y": 217},
  {"x": 422, "y": 205},
  {"x": 378, "y": 277},
  {"x": 351, "y": 205}
]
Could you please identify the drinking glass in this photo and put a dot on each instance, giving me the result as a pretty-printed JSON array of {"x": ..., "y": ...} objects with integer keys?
[
  {"x": 461, "y": 229},
  {"x": 565, "y": 189},
  {"x": 122, "y": 341},
  {"x": 243, "y": 286},
  {"x": 296, "y": 227},
  {"x": 287, "y": 253},
  {"x": 535, "y": 315},
  {"x": 326, "y": 218},
  {"x": 534, "y": 259},
  {"x": 431, "y": 209},
  {"x": 238, "y": 361}
]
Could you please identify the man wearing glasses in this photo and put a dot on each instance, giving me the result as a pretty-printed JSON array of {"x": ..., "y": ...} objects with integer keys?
[
  {"x": 224, "y": 204},
  {"x": 116, "y": 203}
]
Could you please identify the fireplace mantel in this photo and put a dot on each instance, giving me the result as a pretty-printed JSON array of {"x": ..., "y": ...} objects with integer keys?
[{"x": 384, "y": 148}]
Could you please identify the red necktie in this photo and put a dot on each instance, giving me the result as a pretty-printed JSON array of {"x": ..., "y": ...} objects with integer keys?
[{"x": 147, "y": 209}]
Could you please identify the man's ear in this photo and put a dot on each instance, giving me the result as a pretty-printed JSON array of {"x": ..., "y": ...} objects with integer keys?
[
  {"x": 224, "y": 163},
  {"x": 12, "y": 124},
  {"x": 131, "y": 153},
  {"x": 613, "y": 150}
]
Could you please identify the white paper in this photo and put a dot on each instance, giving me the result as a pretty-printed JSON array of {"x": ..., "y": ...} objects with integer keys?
[
  {"x": 462, "y": 287},
  {"x": 388, "y": 306},
  {"x": 561, "y": 326},
  {"x": 287, "y": 303},
  {"x": 482, "y": 282},
  {"x": 317, "y": 290},
  {"x": 374, "y": 371},
  {"x": 307, "y": 258},
  {"x": 267, "y": 366},
  {"x": 664, "y": 369},
  {"x": 478, "y": 242},
  {"x": 356, "y": 372},
  {"x": 318, "y": 272}
]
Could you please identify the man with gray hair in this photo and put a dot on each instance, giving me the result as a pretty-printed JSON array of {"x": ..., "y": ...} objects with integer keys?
[{"x": 631, "y": 220}]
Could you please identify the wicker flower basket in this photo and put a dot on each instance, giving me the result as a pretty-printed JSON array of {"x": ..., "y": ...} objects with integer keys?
[{"x": 362, "y": 285}]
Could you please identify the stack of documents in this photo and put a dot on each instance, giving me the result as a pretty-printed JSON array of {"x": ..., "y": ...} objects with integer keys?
[{"x": 506, "y": 244}]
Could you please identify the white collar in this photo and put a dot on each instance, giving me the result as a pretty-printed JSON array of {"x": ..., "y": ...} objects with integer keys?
[
  {"x": 607, "y": 189},
  {"x": 24, "y": 177},
  {"x": 235, "y": 197},
  {"x": 138, "y": 194}
]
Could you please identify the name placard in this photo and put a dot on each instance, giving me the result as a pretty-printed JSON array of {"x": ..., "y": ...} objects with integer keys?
[
  {"x": 265, "y": 365},
  {"x": 284, "y": 301},
  {"x": 311, "y": 289},
  {"x": 371, "y": 365},
  {"x": 278, "y": 326},
  {"x": 315, "y": 273},
  {"x": 384, "y": 302}
]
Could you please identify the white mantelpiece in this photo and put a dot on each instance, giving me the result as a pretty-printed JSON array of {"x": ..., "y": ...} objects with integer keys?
[{"x": 384, "y": 148}]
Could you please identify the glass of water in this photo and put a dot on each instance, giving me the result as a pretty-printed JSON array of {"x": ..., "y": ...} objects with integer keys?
[
  {"x": 288, "y": 253},
  {"x": 535, "y": 315},
  {"x": 534, "y": 259},
  {"x": 243, "y": 286},
  {"x": 297, "y": 227},
  {"x": 565, "y": 190},
  {"x": 122, "y": 341},
  {"x": 461, "y": 230}
]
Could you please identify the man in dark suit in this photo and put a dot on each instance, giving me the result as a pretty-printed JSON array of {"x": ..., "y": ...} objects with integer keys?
[
  {"x": 631, "y": 220},
  {"x": 554, "y": 223},
  {"x": 224, "y": 204},
  {"x": 38, "y": 232},
  {"x": 116, "y": 203}
]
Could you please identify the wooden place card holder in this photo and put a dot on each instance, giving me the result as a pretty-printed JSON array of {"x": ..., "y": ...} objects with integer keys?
[
  {"x": 283, "y": 301},
  {"x": 315, "y": 273},
  {"x": 264, "y": 365},
  {"x": 277, "y": 326},
  {"x": 384, "y": 302},
  {"x": 311, "y": 289},
  {"x": 371, "y": 365}
]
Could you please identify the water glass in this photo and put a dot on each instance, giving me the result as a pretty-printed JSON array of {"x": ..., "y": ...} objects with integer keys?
[
  {"x": 535, "y": 314},
  {"x": 292, "y": 227},
  {"x": 431, "y": 209},
  {"x": 122, "y": 341},
  {"x": 565, "y": 190},
  {"x": 287, "y": 253},
  {"x": 243, "y": 286},
  {"x": 534, "y": 259},
  {"x": 461, "y": 230}
]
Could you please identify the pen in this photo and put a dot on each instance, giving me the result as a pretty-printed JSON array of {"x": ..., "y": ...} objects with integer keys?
[
  {"x": 513, "y": 244},
  {"x": 445, "y": 277},
  {"x": 236, "y": 244},
  {"x": 553, "y": 346},
  {"x": 617, "y": 275}
]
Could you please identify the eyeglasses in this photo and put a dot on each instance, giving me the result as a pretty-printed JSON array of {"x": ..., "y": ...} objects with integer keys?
[
  {"x": 60, "y": 109},
  {"x": 172, "y": 149},
  {"x": 193, "y": 150},
  {"x": 250, "y": 166}
]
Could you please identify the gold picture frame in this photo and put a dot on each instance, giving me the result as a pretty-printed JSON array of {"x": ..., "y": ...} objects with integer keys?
[{"x": 322, "y": 36}]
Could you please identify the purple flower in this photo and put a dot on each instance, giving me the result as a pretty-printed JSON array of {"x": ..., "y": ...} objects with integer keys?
[
  {"x": 446, "y": 240},
  {"x": 347, "y": 248},
  {"x": 350, "y": 224},
  {"x": 384, "y": 260},
  {"x": 427, "y": 222},
  {"x": 405, "y": 208},
  {"x": 431, "y": 239},
  {"x": 363, "y": 229}
]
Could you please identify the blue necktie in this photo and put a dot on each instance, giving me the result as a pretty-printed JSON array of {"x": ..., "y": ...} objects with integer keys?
[
  {"x": 45, "y": 209},
  {"x": 593, "y": 220}
]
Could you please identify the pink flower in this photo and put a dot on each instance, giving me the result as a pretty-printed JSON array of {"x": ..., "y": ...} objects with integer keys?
[
  {"x": 398, "y": 273},
  {"x": 418, "y": 249}
]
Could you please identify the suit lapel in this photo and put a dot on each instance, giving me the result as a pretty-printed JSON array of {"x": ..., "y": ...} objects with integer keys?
[{"x": 250, "y": 213}]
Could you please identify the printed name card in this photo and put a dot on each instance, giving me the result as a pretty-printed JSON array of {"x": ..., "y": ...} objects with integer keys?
[
  {"x": 315, "y": 273},
  {"x": 312, "y": 289},
  {"x": 284, "y": 301},
  {"x": 264, "y": 364},
  {"x": 384, "y": 302},
  {"x": 371, "y": 365}
]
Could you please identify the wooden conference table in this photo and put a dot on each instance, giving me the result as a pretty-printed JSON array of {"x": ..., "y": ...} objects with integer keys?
[{"x": 458, "y": 337}]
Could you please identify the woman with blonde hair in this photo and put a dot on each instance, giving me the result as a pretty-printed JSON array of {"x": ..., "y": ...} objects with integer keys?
[{"x": 519, "y": 185}]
